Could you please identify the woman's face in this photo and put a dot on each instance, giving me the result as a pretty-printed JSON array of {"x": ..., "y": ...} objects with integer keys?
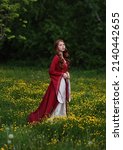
[{"x": 61, "y": 46}]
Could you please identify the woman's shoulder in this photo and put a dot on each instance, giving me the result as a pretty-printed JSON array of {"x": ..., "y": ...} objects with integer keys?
[{"x": 56, "y": 57}]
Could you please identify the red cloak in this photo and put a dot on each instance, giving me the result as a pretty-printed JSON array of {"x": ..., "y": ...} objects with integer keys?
[{"x": 49, "y": 101}]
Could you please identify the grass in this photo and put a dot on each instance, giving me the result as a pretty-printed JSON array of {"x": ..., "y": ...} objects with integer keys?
[{"x": 21, "y": 90}]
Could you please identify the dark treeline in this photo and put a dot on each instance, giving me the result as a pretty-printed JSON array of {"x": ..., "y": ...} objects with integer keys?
[{"x": 30, "y": 27}]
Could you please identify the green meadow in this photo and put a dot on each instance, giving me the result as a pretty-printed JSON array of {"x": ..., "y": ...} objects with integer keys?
[{"x": 21, "y": 90}]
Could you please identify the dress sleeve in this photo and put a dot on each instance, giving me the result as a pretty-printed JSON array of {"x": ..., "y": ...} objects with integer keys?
[{"x": 52, "y": 69}]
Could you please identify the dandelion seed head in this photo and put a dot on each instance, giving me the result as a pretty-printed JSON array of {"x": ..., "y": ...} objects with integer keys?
[
  {"x": 7, "y": 128},
  {"x": 10, "y": 136},
  {"x": 9, "y": 141},
  {"x": 90, "y": 142}
]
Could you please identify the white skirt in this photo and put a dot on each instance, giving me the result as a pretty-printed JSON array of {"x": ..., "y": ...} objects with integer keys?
[{"x": 60, "y": 110}]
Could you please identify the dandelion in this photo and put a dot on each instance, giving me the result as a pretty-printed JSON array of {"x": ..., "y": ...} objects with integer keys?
[
  {"x": 90, "y": 143},
  {"x": 10, "y": 136},
  {"x": 7, "y": 129},
  {"x": 9, "y": 141}
]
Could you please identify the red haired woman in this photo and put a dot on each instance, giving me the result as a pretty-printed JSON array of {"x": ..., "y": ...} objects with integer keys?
[{"x": 54, "y": 102}]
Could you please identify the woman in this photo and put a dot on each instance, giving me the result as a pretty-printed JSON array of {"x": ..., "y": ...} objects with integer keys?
[{"x": 54, "y": 102}]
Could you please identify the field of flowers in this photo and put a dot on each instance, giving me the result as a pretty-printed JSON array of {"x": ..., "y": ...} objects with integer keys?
[{"x": 21, "y": 90}]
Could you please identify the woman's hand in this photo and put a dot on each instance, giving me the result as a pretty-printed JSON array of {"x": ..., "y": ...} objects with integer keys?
[{"x": 66, "y": 75}]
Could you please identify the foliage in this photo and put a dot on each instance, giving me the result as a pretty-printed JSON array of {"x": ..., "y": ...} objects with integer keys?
[
  {"x": 21, "y": 91},
  {"x": 30, "y": 28}
]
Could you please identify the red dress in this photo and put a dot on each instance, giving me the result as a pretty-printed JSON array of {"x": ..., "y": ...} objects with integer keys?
[{"x": 49, "y": 101}]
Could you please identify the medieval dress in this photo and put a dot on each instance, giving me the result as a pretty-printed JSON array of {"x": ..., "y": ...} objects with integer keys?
[{"x": 54, "y": 102}]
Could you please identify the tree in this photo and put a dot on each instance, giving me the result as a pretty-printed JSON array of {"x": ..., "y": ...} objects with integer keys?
[{"x": 31, "y": 27}]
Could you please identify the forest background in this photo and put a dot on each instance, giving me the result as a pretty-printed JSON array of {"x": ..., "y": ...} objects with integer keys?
[{"x": 30, "y": 27}]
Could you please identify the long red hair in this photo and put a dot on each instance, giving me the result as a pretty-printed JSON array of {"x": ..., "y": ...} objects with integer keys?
[{"x": 65, "y": 53}]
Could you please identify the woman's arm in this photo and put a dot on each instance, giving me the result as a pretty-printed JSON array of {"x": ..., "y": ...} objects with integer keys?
[{"x": 52, "y": 70}]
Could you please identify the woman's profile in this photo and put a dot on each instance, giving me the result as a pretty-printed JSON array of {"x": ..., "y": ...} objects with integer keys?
[{"x": 54, "y": 102}]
